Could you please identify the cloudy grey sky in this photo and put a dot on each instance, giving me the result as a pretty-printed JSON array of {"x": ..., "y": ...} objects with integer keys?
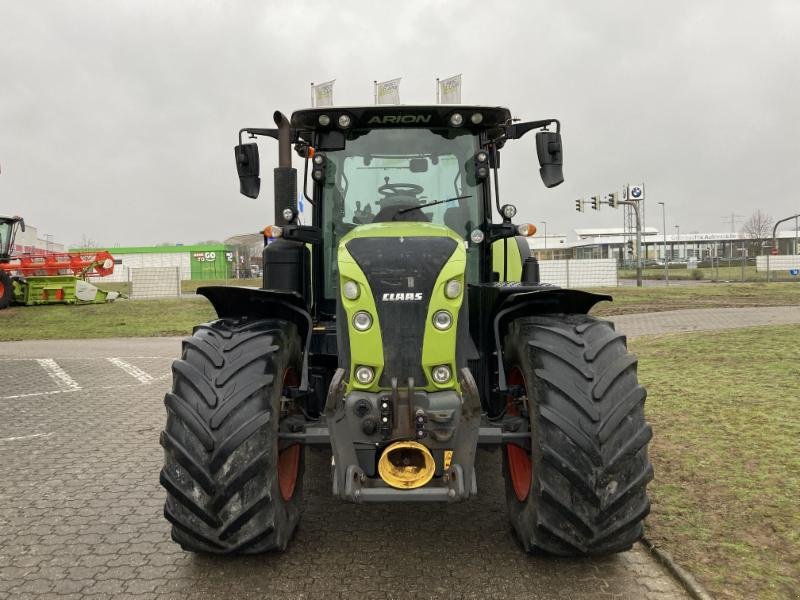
[{"x": 117, "y": 119}]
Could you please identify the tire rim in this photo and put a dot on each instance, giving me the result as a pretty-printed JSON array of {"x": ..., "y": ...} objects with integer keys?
[
  {"x": 289, "y": 457},
  {"x": 520, "y": 466}
]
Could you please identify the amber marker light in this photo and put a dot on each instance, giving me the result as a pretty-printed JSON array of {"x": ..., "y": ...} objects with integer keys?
[
  {"x": 273, "y": 231},
  {"x": 526, "y": 229}
]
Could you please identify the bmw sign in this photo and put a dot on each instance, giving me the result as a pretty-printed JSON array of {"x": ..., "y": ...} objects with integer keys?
[{"x": 636, "y": 192}]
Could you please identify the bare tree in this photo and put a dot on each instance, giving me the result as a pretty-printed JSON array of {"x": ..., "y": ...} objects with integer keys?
[{"x": 758, "y": 226}]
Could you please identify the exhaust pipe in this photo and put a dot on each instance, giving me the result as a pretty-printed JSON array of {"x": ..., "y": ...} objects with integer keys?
[
  {"x": 285, "y": 175},
  {"x": 406, "y": 465}
]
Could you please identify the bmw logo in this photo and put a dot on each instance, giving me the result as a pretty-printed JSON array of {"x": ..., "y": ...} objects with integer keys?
[{"x": 636, "y": 192}]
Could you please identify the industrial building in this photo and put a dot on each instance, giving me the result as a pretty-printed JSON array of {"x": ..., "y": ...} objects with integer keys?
[
  {"x": 613, "y": 242},
  {"x": 31, "y": 242},
  {"x": 203, "y": 261}
]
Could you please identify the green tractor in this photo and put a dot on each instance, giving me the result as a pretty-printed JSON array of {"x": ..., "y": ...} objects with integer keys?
[
  {"x": 402, "y": 326},
  {"x": 8, "y": 231}
]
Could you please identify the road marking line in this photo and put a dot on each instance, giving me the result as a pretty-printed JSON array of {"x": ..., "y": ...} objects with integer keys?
[
  {"x": 25, "y": 437},
  {"x": 57, "y": 374},
  {"x": 32, "y": 394},
  {"x": 131, "y": 370}
]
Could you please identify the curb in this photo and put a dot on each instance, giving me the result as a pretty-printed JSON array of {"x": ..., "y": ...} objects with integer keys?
[{"x": 686, "y": 579}]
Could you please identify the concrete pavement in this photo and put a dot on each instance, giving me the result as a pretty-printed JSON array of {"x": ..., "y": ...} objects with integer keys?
[{"x": 80, "y": 504}]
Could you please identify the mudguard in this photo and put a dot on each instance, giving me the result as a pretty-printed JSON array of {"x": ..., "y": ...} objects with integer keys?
[
  {"x": 522, "y": 302},
  {"x": 236, "y": 302}
]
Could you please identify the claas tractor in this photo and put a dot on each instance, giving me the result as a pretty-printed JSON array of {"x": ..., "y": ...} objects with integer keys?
[
  {"x": 8, "y": 231},
  {"x": 402, "y": 324}
]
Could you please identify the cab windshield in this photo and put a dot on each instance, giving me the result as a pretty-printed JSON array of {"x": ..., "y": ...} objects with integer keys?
[
  {"x": 5, "y": 238},
  {"x": 386, "y": 175}
]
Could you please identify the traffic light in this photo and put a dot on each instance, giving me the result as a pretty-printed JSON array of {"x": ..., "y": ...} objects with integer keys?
[
  {"x": 579, "y": 205},
  {"x": 596, "y": 202},
  {"x": 613, "y": 199}
]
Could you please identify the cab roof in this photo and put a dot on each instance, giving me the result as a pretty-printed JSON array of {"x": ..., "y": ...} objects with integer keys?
[{"x": 401, "y": 115}]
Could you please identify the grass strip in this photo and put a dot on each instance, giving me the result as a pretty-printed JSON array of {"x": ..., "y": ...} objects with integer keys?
[{"x": 726, "y": 453}]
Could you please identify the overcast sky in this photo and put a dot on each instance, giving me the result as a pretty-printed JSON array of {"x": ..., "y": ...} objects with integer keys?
[{"x": 117, "y": 119}]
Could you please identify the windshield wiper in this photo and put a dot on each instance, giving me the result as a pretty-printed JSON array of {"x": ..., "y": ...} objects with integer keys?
[{"x": 434, "y": 203}]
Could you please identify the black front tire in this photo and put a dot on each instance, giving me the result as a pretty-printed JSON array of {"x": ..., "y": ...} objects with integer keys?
[
  {"x": 587, "y": 468},
  {"x": 6, "y": 290},
  {"x": 230, "y": 488}
]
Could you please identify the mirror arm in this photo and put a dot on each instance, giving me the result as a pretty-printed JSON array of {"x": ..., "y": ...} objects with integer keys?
[
  {"x": 514, "y": 132},
  {"x": 254, "y": 131}
]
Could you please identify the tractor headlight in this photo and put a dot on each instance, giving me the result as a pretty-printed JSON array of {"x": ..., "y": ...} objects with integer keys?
[
  {"x": 452, "y": 289},
  {"x": 476, "y": 118},
  {"x": 288, "y": 214},
  {"x": 344, "y": 121},
  {"x": 350, "y": 290},
  {"x": 509, "y": 211},
  {"x": 324, "y": 120},
  {"x": 441, "y": 374},
  {"x": 362, "y": 320},
  {"x": 476, "y": 236},
  {"x": 456, "y": 119},
  {"x": 365, "y": 375},
  {"x": 442, "y": 320}
]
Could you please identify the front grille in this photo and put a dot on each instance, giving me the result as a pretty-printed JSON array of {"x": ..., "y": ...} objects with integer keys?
[{"x": 407, "y": 266}]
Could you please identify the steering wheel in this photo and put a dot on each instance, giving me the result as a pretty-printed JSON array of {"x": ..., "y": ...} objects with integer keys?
[{"x": 402, "y": 189}]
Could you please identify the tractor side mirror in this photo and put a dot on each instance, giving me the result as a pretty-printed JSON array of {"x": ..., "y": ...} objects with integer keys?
[
  {"x": 247, "y": 166},
  {"x": 550, "y": 152}
]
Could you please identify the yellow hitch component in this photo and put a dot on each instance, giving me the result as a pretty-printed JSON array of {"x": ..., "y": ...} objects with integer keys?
[{"x": 406, "y": 465}]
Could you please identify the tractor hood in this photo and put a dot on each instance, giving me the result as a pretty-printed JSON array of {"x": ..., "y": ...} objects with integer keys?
[{"x": 401, "y": 271}]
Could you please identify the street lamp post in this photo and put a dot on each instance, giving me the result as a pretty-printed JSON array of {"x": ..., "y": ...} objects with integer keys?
[
  {"x": 664, "y": 229},
  {"x": 678, "y": 238}
]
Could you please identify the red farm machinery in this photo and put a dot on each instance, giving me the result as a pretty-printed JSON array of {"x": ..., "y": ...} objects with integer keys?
[{"x": 49, "y": 278}]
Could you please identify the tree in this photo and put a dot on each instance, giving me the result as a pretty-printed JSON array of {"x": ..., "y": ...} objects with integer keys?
[{"x": 758, "y": 226}]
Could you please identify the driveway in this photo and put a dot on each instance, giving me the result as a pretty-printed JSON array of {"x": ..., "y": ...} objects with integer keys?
[{"x": 80, "y": 504}]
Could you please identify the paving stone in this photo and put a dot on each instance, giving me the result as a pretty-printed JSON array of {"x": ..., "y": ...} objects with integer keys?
[{"x": 82, "y": 510}]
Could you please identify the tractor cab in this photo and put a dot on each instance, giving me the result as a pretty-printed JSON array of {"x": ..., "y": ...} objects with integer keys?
[{"x": 8, "y": 230}]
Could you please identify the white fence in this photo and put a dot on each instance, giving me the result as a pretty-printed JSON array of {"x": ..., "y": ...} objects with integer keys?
[
  {"x": 155, "y": 282},
  {"x": 124, "y": 263},
  {"x": 783, "y": 262},
  {"x": 579, "y": 273}
]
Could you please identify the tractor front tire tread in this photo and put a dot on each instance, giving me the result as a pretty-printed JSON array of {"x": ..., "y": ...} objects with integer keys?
[
  {"x": 221, "y": 438},
  {"x": 589, "y": 452}
]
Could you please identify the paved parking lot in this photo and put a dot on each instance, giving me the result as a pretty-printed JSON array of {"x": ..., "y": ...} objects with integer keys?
[{"x": 80, "y": 504}]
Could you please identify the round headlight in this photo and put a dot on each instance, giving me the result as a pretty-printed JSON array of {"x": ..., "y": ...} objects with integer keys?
[
  {"x": 288, "y": 214},
  {"x": 482, "y": 156},
  {"x": 364, "y": 375},
  {"x": 324, "y": 120},
  {"x": 452, "y": 289},
  {"x": 319, "y": 159},
  {"x": 442, "y": 320},
  {"x": 476, "y": 236},
  {"x": 509, "y": 211},
  {"x": 441, "y": 374},
  {"x": 350, "y": 290},
  {"x": 344, "y": 121},
  {"x": 456, "y": 119},
  {"x": 476, "y": 118},
  {"x": 362, "y": 320}
]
